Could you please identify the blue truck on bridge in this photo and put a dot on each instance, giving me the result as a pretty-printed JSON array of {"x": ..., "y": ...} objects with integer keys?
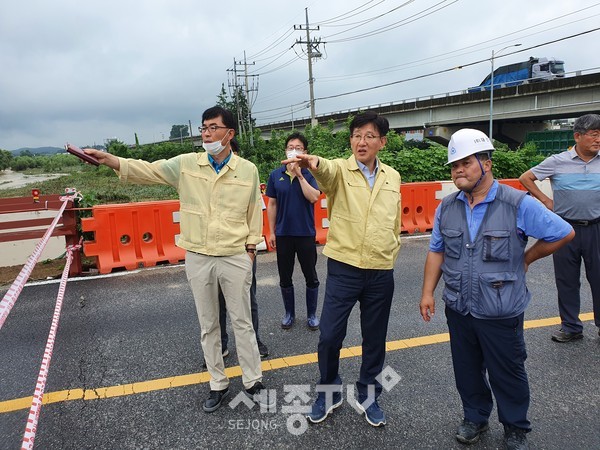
[{"x": 534, "y": 69}]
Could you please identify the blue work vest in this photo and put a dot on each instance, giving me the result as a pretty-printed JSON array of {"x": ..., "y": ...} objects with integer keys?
[{"x": 485, "y": 277}]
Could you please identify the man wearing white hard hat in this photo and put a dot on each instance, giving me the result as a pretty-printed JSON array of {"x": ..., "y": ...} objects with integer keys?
[{"x": 479, "y": 246}]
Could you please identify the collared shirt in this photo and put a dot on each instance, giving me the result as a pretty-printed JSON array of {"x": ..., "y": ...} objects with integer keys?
[
  {"x": 533, "y": 219},
  {"x": 367, "y": 173},
  {"x": 218, "y": 166},
  {"x": 575, "y": 184},
  {"x": 219, "y": 212},
  {"x": 364, "y": 223},
  {"x": 295, "y": 214}
]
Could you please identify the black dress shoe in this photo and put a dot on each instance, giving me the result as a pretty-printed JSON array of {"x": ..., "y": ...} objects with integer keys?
[
  {"x": 469, "y": 432},
  {"x": 214, "y": 400},
  {"x": 565, "y": 336},
  {"x": 515, "y": 438}
]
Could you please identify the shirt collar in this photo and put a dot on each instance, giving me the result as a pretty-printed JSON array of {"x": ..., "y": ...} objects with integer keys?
[
  {"x": 364, "y": 169},
  {"x": 491, "y": 195},
  {"x": 218, "y": 166}
]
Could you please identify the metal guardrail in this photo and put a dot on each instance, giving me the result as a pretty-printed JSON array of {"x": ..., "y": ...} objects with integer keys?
[{"x": 571, "y": 74}]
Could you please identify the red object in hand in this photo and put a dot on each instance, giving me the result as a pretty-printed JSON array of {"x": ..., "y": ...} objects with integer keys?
[{"x": 74, "y": 150}]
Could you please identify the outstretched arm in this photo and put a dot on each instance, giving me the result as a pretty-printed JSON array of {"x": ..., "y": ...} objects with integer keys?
[{"x": 104, "y": 158}]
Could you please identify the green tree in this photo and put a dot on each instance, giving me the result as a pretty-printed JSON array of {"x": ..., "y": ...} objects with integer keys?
[
  {"x": 5, "y": 159},
  {"x": 179, "y": 131},
  {"x": 118, "y": 148},
  {"x": 238, "y": 105}
]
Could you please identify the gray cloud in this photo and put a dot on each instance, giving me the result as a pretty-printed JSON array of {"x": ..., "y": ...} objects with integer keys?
[{"x": 87, "y": 71}]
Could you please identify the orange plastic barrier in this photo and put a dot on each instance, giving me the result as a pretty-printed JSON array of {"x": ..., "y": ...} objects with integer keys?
[
  {"x": 143, "y": 234},
  {"x": 321, "y": 220},
  {"x": 266, "y": 228},
  {"x": 133, "y": 235},
  {"x": 418, "y": 206},
  {"x": 513, "y": 182}
]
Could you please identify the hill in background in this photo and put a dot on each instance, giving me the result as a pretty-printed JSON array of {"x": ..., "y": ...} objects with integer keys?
[{"x": 39, "y": 151}]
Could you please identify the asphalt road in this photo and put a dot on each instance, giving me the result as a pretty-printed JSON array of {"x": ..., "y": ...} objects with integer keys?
[{"x": 128, "y": 355}]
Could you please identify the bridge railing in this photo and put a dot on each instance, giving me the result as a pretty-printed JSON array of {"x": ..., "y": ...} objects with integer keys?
[{"x": 274, "y": 125}]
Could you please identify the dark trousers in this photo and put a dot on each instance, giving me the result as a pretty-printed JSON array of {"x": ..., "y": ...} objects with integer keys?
[
  {"x": 373, "y": 289},
  {"x": 287, "y": 248},
  {"x": 253, "y": 308},
  {"x": 495, "y": 346},
  {"x": 567, "y": 273}
]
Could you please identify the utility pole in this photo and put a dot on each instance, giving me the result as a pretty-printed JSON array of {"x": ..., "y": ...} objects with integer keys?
[
  {"x": 232, "y": 84},
  {"x": 312, "y": 51},
  {"x": 250, "y": 85},
  {"x": 248, "y": 100}
]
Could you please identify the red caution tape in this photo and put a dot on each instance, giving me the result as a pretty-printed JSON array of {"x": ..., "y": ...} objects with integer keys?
[{"x": 36, "y": 404}]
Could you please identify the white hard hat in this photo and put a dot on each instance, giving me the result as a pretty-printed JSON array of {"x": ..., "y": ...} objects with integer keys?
[{"x": 468, "y": 142}]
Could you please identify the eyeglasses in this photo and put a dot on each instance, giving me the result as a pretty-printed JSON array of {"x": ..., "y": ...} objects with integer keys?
[
  {"x": 593, "y": 134},
  {"x": 367, "y": 137},
  {"x": 211, "y": 128},
  {"x": 298, "y": 148}
]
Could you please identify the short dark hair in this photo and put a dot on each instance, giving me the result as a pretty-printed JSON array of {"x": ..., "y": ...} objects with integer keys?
[
  {"x": 362, "y": 119},
  {"x": 235, "y": 146},
  {"x": 225, "y": 114},
  {"x": 298, "y": 136},
  {"x": 484, "y": 155},
  {"x": 586, "y": 123}
]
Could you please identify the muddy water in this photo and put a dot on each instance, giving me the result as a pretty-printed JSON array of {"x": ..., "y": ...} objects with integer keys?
[{"x": 10, "y": 179}]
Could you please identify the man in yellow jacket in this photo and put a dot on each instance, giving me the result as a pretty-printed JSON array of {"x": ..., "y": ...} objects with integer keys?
[
  {"x": 221, "y": 223},
  {"x": 363, "y": 201}
]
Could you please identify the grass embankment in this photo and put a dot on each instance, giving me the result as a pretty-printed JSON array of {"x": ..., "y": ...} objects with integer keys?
[{"x": 97, "y": 186}]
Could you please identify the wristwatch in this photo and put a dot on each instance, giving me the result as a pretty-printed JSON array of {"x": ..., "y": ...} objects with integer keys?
[{"x": 251, "y": 250}]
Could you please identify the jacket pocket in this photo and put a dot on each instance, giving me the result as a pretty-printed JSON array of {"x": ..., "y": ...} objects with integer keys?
[
  {"x": 193, "y": 224},
  {"x": 452, "y": 294},
  {"x": 496, "y": 246},
  {"x": 453, "y": 241},
  {"x": 497, "y": 296}
]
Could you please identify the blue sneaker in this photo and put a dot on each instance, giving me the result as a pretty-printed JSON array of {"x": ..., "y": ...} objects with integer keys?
[
  {"x": 374, "y": 414},
  {"x": 320, "y": 410}
]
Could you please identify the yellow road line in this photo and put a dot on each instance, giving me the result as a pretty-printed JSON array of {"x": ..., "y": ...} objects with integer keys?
[{"x": 232, "y": 372}]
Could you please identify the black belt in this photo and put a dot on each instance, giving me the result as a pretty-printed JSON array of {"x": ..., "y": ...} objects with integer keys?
[{"x": 583, "y": 223}]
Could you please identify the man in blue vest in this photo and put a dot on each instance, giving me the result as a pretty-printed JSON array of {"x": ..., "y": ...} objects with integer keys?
[{"x": 479, "y": 246}]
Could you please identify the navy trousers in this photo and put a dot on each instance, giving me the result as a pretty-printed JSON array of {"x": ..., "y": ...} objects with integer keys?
[
  {"x": 495, "y": 347},
  {"x": 306, "y": 249},
  {"x": 567, "y": 272},
  {"x": 373, "y": 289}
]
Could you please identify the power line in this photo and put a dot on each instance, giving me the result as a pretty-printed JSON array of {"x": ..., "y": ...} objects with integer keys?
[
  {"x": 453, "y": 68},
  {"x": 347, "y": 15},
  {"x": 419, "y": 15},
  {"x": 362, "y": 22},
  {"x": 461, "y": 51}
]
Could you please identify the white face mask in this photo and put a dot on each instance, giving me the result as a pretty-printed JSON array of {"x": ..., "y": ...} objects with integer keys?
[{"x": 213, "y": 148}]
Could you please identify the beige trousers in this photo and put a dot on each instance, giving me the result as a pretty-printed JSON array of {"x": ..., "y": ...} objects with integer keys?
[{"x": 234, "y": 275}]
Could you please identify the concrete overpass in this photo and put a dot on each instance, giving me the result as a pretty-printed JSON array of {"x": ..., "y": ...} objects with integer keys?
[{"x": 517, "y": 109}]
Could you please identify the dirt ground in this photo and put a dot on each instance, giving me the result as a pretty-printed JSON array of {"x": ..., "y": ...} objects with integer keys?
[{"x": 43, "y": 270}]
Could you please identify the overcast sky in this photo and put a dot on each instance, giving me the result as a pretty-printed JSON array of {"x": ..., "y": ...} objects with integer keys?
[{"x": 85, "y": 71}]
